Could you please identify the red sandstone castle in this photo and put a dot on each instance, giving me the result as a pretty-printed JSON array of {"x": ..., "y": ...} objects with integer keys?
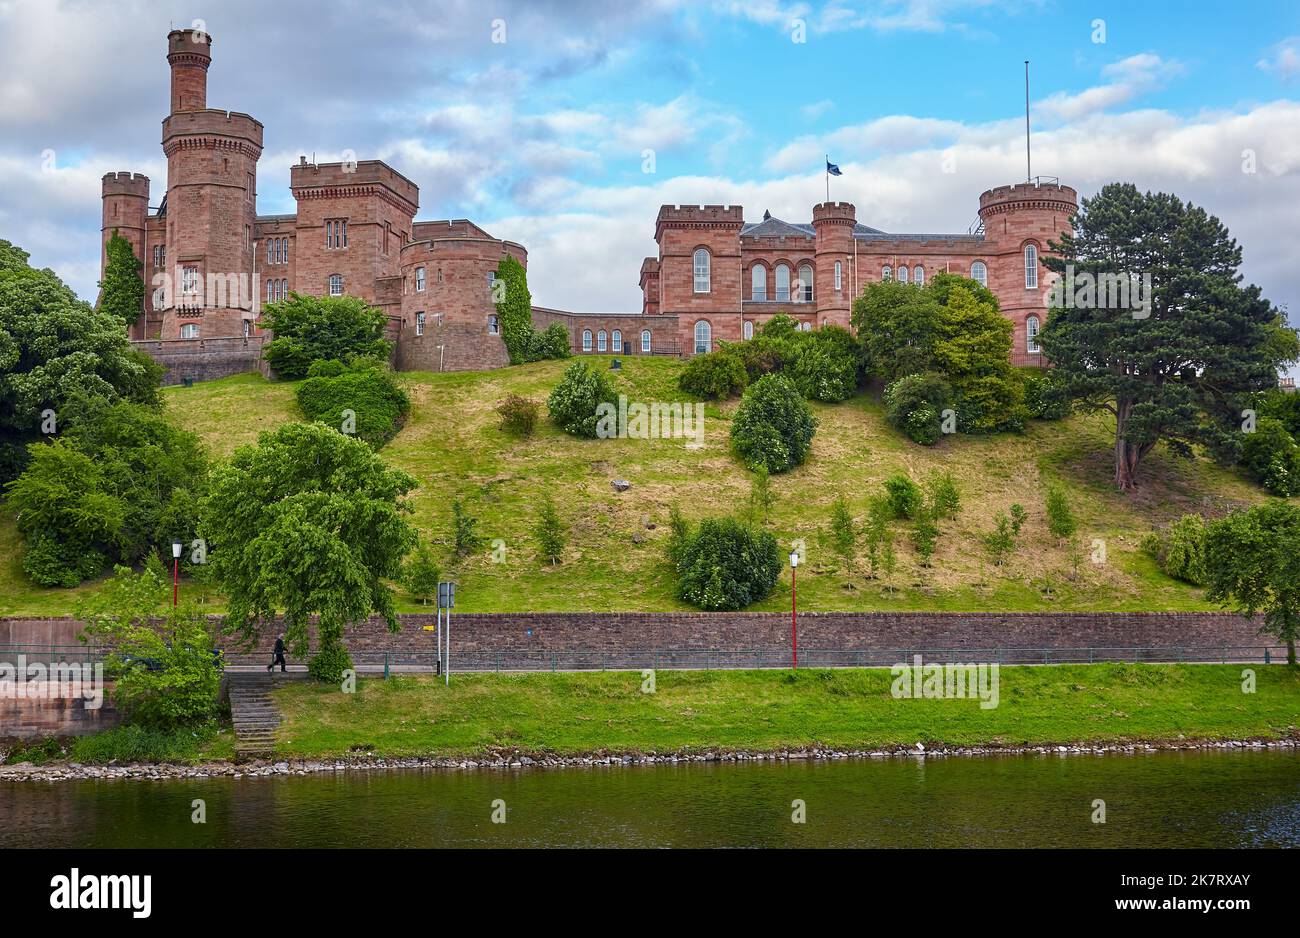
[{"x": 212, "y": 261}]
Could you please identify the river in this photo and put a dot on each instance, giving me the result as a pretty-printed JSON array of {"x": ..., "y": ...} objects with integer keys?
[{"x": 1163, "y": 799}]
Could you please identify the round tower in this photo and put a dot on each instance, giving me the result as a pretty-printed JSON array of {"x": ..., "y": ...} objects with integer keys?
[
  {"x": 189, "y": 53},
  {"x": 834, "y": 223},
  {"x": 126, "y": 210},
  {"x": 211, "y": 201},
  {"x": 1020, "y": 221}
]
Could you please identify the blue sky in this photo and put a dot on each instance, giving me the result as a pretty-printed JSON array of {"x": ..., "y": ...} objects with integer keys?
[{"x": 542, "y": 138}]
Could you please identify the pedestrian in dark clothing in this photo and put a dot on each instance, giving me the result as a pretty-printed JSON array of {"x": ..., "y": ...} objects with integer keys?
[{"x": 279, "y": 654}]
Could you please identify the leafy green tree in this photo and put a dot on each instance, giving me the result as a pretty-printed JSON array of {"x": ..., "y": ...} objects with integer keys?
[
  {"x": 54, "y": 347},
  {"x": 1252, "y": 561},
  {"x": 574, "y": 403},
  {"x": 878, "y": 536},
  {"x": 925, "y": 536},
  {"x": 1018, "y": 518},
  {"x": 550, "y": 532},
  {"x": 1060, "y": 519},
  {"x": 844, "y": 532},
  {"x": 773, "y": 426},
  {"x": 367, "y": 388},
  {"x": 122, "y": 289},
  {"x": 944, "y": 497},
  {"x": 321, "y": 328},
  {"x": 973, "y": 349},
  {"x": 898, "y": 324},
  {"x": 1172, "y": 369},
  {"x": 726, "y": 565},
  {"x": 515, "y": 309},
  {"x": 420, "y": 573},
  {"x": 161, "y": 658},
  {"x": 464, "y": 530},
  {"x": 307, "y": 522},
  {"x": 906, "y": 499},
  {"x": 679, "y": 533},
  {"x": 1001, "y": 541},
  {"x": 761, "y": 496}
]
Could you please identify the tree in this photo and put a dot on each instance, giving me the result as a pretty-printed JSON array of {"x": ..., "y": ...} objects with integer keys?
[
  {"x": 514, "y": 308},
  {"x": 52, "y": 347},
  {"x": 122, "y": 289},
  {"x": 464, "y": 530},
  {"x": 773, "y": 426},
  {"x": 879, "y": 537},
  {"x": 761, "y": 496},
  {"x": 549, "y": 532},
  {"x": 1060, "y": 519},
  {"x": 307, "y": 522},
  {"x": 944, "y": 497},
  {"x": 925, "y": 534},
  {"x": 897, "y": 323},
  {"x": 1171, "y": 368},
  {"x": 1252, "y": 561},
  {"x": 726, "y": 565},
  {"x": 573, "y": 404},
  {"x": 973, "y": 349},
  {"x": 378, "y": 405},
  {"x": 420, "y": 573},
  {"x": 844, "y": 533},
  {"x": 322, "y": 328},
  {"x": 165, "y": 672}
]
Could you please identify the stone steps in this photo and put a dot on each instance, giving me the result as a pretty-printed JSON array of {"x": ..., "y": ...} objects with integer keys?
[{"x": 254, "y": 714}]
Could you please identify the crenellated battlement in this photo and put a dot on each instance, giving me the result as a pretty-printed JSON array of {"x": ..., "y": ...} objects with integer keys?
[
  {"x": 343, "y": 180},
  {"x": 125, "y": 183},
  {"x": 832, "y": 213},
  {"x": 1029, "y": 196}
]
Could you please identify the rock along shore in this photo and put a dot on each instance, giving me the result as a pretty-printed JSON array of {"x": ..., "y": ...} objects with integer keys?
[{"x": 513, "y": 759}]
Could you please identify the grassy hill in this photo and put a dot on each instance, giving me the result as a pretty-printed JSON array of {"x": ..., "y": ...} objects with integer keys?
[{"x": 451, "y": 444}]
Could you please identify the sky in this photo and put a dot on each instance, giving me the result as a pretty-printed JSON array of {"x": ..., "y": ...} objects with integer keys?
[{"x": 565, "y": 125}]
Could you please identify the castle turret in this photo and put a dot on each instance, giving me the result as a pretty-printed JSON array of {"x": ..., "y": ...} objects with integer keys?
[
  {"x": 126, "y": 211},
  {"x": 833, "y": 222},
  {"x": 1019, "y": 222},
  {"x": 189, "y": 53},
  {"x": 699, "y": 271}
]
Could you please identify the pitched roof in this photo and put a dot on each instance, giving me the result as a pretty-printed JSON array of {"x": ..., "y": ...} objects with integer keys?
[{"x": 771, "y": 227}]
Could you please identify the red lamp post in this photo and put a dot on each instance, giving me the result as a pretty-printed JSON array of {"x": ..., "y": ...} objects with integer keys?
[
  {"x": 176, "y": 571},
  {"x": 794, "y": 611}
]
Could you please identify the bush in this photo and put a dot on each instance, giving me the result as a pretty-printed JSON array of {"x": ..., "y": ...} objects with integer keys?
[
  {"x": 315, "y": 328},
  {"x": 915, "y": 404},
  {"x": 773, "y": 426},
  {"x": 1045, "y": 398},
  {"x": 378, "y": 403},
  {"x": 925, "y": 535},
  {"x": 553, "y": 341},
  {"x": 827, "y": 364},
  {"x": 905, "y": 498},
  {"x": 464, "y": 530},
  {"x": 1272, "y": 457},
  {"x": 1179, "y": 549},
  {"x": 420, "y": 574},
  {"x": 518, "y": 415},
  {"x": 679, "y": 534},
  {"x": 714, "y": 376},
  {"x": 574, "y": 402},
  {"x": 1060, "y": 519},
  {"x": 726, "y": 565},
  {"x": 945, "y": 500},
  {"x": 330, "y": 661}
]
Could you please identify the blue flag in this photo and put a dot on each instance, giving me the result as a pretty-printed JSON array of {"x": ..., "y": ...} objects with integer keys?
[{"x": 833, "y": 169}]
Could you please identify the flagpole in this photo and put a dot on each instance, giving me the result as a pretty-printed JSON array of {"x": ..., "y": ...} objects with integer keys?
[{"x": 828, "y": 177}]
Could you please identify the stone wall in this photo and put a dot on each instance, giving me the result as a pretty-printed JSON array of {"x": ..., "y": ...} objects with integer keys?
[
  {"x": 61, "y": 716},
  {"x": 204, "y": 359}
]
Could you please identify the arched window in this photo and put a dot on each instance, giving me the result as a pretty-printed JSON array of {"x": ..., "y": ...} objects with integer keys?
[
  {"x": 419, "y": 323},
  {"x": 701, "y": 270},
  {"x": 1031, "y": 267},
  {"x": 419, "y": 280},
  {"x": 336, "y": 284},
  {"x": 703, "y": 337},
  {"x": 601, "y": 340},
  {"x": 189, "y": 331},
  {"x": 586, "y": 340},
  {"x": 782, "y": 283},
  {"x": 617, "y": 341},
  {"x": 886, "y": 273},
  {"x": 270, "y": 291},
  {"x": 979, "y": 273},
  {"x": 902, "y": 273},
  {"x": 918, "y": 275},
  {"x": 749, "y": 329},
  {"x": 645, "y": 340},
  {"x": 284, "y": 289},
  {"x": 805, "y": 283},
  {"x": 758, "y": 283},
  {"x": 839, "y": 277},
  {"x": 270, "y": 252},
  {"x": 805, "y": 326},
  {"x": 1031, "y": 336}
]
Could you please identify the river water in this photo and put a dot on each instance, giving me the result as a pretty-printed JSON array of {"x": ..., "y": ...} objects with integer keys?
[{"x": 1165, "y": 799}]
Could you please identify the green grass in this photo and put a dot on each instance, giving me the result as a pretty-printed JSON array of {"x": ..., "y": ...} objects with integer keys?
[
  {"x": 453, "y": 447},
  {"x": 571, "y": 713},
  {"x": 211, "y": 742}
]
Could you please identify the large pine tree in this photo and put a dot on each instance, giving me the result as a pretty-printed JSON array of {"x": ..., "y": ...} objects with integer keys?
[
  {"x": 1173, "y": 369},
  {"x": 121, "y": 292}
]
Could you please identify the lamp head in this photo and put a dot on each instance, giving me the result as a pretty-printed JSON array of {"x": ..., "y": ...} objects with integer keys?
[
  {"x": 176, "y": 550},
  {"x": 794, "y": 558}
]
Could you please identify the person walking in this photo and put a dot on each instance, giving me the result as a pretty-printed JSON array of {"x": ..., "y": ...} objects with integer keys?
[{"x": 278, "y": 653}]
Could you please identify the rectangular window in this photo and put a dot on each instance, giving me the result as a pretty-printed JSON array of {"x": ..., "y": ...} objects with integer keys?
[
  {"x": 190, "y": 280},
  {"x": 419, "y": 323},
  {"x": 270, "y": 250},
  {"x": 252, "y": 184},
  {"x": 189, "y": 331},
  {"x": 839, "y": 273},
  {"x": 419, "y": 280},
  {"x": 336, "y": 233}
]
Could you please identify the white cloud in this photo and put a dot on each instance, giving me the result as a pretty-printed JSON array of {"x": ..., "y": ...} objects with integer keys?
[
  {"x": 1283, "y": 59},
  {"x": 1129, "y": 78}
]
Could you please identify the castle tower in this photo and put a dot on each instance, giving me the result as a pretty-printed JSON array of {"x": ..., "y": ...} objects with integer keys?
[
  {"x": 1019, "y": 222},
  {"x": 708, "y": 306},
  {"x": 211, "y": 200},
  {"x": 126, "y": 211},
  {"x": 834, "y": 222}
]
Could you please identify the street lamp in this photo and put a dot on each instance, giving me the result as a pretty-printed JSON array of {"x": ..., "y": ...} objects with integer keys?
[
  {"x": 176, "y": 570},
  {"x": 794, "y": 610}
]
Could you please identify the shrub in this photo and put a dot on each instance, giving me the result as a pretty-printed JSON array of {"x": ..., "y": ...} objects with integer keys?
[
  {"x": 549, "y": 532},
  {"x": 330, "y": 661},
  {"x": 725, "y": 565},
  {"x": 574, "y": 402},
  {"x": 314, "y": 328},
  {"x": 1060, "y": 519},
  {"x": 761, "y": 496},
  {"x": 420, "y": 573},
  {"x": 844, "y": 534},
  {"x": 518, "y": 414},
  {"x": 714, "y": 376},
  {"x": 761, "y": 355},
  {"x": 905, "y": 498},
  {"x": 1018, "y": 518},
  {"x": 1045, "y": 397},
  {"x": 679, "y": 534},
  {"x": 553, "y": 341},
  {"x": 1272, "y": 457},
  {"x": 368, "y": 389},
  {"x": 773, "y": 426},
  {"x": 464, "y": 530},
  {"x": 826, "y": 365},
  {"x": 879, "y": 537},
  {"x": 1179, "y": 549},
  {"x": 945, "y": 500},
  {"x": 1001, "y": 541},
  {"x": 915, "y": 404},
  {"x": 925, "y": 534}
]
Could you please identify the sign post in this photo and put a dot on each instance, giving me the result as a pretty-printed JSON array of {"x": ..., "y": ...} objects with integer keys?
[{"x": 446, "y": 600}]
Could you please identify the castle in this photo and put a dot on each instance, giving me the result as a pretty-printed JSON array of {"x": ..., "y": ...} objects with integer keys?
[{"x": 211, "y": 261}]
